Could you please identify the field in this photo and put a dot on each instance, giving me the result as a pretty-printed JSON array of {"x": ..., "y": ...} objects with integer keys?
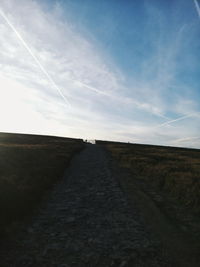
[
  {"x": 29, "y": 165},
  {"x": 164, "y": 182},
  {"x": 169, "y": 172}
]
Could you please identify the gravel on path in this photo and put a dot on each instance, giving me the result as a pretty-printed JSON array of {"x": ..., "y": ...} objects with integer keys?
[{"x": 87, "y": 221}]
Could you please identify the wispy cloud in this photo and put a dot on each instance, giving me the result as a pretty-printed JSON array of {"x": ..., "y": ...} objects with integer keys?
[
  {"x": 192, "y": 141},
  {"x": 197, "y": 7},
  {"x": 179, "y": 119},
  {"x": 79, "y": 66},
  {"x": 33, "y": 56},
  {"x": 186, "y": 139},
  {"x": 42, "y": 50}
]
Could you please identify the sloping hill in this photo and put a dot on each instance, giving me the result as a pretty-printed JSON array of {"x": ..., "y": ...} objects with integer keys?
[{"x": 30, "y": 164}]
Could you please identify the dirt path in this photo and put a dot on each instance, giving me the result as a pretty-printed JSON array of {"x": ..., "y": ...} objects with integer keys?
[
  {"x": 86, "y": 221},
  {"x": 182, "y": 246}
]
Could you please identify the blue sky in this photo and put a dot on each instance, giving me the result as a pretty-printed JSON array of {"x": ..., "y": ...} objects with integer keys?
[{"x": 112, "y": 70}]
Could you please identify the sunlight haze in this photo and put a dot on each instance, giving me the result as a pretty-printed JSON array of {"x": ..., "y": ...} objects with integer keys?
[{"x": 113, "y": 70}]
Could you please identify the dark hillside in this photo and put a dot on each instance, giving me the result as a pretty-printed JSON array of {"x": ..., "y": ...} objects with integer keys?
[
  {"x": 170, "y": 175},
  {"x": 30, "y": 164},
  {"x": 170, "y": 169}
]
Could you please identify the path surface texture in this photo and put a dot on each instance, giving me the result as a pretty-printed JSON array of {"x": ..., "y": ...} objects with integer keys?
[{"x": 86, "y": 221}]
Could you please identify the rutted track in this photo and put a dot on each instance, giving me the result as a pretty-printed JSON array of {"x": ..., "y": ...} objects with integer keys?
[{"x": 86, "y": 221}]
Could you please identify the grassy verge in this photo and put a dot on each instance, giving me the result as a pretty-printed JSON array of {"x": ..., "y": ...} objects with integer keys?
[
  {"x": 175, "y": 171},
  {"x": 30, "y": 164},
  {"x": 168, "y": 217}
]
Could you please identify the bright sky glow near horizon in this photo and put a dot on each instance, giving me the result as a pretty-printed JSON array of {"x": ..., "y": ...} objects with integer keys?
[{"x": 106, "y": 69}]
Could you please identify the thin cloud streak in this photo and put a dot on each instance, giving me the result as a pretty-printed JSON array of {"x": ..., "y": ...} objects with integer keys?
[
  {"x": 144, "y": 106},
  {"x": 105, "y": 102},
  {"x": 33, "y": 56},
  {"x": 77, "y": 82},
  {"x": 178, "y": 119},
  {"x": 197, "y": 7},
  {"x": 147, "y": 107},
  {"x": 186, "y": 139}
]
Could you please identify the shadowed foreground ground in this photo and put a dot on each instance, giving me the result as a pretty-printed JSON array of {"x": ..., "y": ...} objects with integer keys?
[{"x": 85, "y": 221}]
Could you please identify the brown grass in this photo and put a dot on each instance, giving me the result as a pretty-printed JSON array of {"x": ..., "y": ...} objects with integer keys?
[
  {"x": 29, "y": 165},
  {"x": 175, "y": 171}
]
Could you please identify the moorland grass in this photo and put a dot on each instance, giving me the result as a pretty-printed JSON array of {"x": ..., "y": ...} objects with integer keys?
[
  {"x": 175, "y": 171},
  {"x": 29, "y": 165}
]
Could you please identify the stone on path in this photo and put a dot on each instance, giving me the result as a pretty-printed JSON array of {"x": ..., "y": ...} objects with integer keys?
[{"x": 86, "y": 221}]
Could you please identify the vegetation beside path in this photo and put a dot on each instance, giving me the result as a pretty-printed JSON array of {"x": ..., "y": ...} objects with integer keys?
[
  {"x": 164, "y": 182},
  {"x": 175, "y": 171},
  {"x": 29, "y": 165}
]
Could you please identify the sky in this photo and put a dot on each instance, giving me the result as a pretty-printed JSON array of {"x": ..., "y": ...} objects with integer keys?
[{"x": 117, "y": 70}]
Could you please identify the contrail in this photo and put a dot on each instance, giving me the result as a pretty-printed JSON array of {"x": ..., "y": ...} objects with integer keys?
[
  {"x": 43, "y": 69},
  {"x": 76, "y": 81},
  {"x": 117, "y": 98},
  {"x": 79, "y": 83},
  {"x": 178, "y": 119},
  {"x": 33, "y": 56},
  {"x": 197, "y": 7}
]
